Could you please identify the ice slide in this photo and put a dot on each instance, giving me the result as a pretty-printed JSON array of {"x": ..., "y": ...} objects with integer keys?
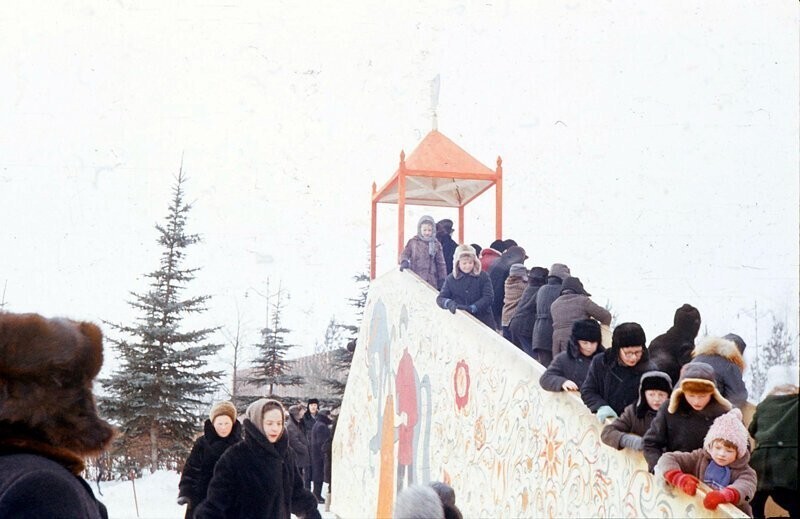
[{"x": 435, "y": 396}]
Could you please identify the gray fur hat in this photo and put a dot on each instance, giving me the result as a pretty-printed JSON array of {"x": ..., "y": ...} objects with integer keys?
[{"x": 559, "y": 270}]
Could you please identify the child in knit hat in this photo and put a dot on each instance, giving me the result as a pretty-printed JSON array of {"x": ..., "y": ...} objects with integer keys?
[
  {"x": 693, "y": 406},
  {"x": 424, "y": 254},
  {"x": 723, "y": 463}
]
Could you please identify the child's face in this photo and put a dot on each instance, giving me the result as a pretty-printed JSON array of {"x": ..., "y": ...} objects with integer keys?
[
  {"x": 426, "y": 230},
  {"x": 655, "y": 397},
  {"x": 587, "y": 347},
  {"x": 465, "y": 263},
  {"x": 698, "y": 401},
  {"x": 722, "y": 454}
]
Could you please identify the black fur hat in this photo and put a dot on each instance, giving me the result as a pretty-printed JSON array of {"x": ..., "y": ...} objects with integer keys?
[
  {"x": 586, "y": 330},
  {"x": 687, "y": 319},
  {"x": 538, "y": 273},
  {"x": 627, "y": 335},
  {"x": 46, "y": 372}
]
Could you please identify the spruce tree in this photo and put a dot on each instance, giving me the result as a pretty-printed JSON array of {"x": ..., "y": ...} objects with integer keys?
[
  {"x": 270, "y": 366},
  {"x": 157, "y": 395},
  {"x": 777, "y": 351}
]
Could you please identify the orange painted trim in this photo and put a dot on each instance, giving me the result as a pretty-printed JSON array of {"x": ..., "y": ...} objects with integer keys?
[
  {"x": 386, "y": 187},
  {"x": 401, "y": 212},
  {"x": 447, "y": 174}
]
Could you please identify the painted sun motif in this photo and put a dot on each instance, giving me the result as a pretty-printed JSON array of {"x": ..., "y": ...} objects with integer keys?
[
  {"x": 550, "y": 451},
  {"x": 461, "y": 384}
]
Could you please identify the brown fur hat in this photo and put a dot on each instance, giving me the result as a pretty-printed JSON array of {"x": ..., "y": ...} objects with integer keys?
[
  {"x": 46, "y": 372},
  {"x": 696, "y": 377},
  {"x": 223, "y": 408}
]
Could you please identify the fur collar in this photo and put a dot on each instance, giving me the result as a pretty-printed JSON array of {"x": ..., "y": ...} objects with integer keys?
[
  {"x": 71, "y": 461},
  {"x": 721, "y": 347}
]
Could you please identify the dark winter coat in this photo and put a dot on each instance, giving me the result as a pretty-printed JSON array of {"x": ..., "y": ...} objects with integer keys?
[
  {"x": 256, "y": 479},
  {"x": 774, "y": 427},
  {"x": 671, "y": 350},
  {"x": 470, "y": 289},
  {"x": 430, "y": 268},
  {"x": 743, "y": 478},
  {"x": 611, "y": 383},
  {"x": 569, "y": 308},
  {"x": 568, "y": 365},
  {"x": 521, "y": 324},
  {"x": 728, "y": 364},
  {"x": 498, "y": 273},
  {"x": 684, "y": 430},
  {"x": 319, "y": 435},
  {"x": 448, "y": 249},
  {"x": 38, "y": 480},
  {"x": 199, "y": 466},
  {"x": 308, "y": 425},
  {"x": 298, "y": 442},
  {"x": 542, "y": 338},
  {"x": 627, "y": 423}
]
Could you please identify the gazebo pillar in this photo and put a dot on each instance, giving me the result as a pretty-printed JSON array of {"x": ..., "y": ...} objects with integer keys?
[{"x": 401, "y": 204}]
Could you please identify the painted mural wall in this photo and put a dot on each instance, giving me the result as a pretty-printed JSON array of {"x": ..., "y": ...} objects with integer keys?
[{"x": 435, "y": 396}]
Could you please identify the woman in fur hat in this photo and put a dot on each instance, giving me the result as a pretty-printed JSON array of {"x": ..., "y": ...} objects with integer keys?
[
  {"x": 613, "y": 379},
  {"x": 627, "y": 430},
  {"x": 774, "y": 428},
  {"x": 498, "y": 273},
  {"x": 726, "y": 358},
  {"x": 220, "y": 431},
  {"x": 682, "y": 423},
  {"x": 467, "y": 288},
  {"x": 423, "y": 254},
  {"x": 257, "y": 478},
  {"x": 572, "y": 305},
  {"x": 721, "y": 463},
  {"x": 568, "y": 370},
  {"x": 48, "y": 419}
]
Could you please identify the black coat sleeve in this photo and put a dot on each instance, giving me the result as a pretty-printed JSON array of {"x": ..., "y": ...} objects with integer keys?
[
  {"x": 445, "y": 292},
  {"x": 655, "y": 439},
  {"x": 222, "y": 491},
  {"x": 304, "y": 504},
  {"x": 591, "y": 389},
  {"x": 487, "y": 294},
  {"x": 554, "y": 377},
  {"x": 192, "y": 471}
]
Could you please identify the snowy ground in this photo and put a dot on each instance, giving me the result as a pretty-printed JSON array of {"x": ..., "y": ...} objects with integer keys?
[{"x": 155, "y": 495}]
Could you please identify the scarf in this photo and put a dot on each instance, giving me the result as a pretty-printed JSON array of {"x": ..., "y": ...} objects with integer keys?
[
  {"x": 431, "y": 241},
  {"x": 717, "y": 477}
]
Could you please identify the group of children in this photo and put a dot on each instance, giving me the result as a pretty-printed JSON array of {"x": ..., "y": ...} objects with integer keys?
[{"x": 689, "y": 433}]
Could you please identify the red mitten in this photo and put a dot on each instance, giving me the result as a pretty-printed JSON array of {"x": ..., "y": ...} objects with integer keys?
[
  {"x": 717, "y": 497},
  {"x": 685, "y": 482}
]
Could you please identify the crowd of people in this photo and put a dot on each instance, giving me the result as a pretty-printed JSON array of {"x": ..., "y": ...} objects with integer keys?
[{"x": 677, "y": 401}]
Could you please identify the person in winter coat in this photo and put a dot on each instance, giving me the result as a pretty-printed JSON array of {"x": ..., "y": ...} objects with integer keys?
[
  {"x": 319, "y": 435},
  {"x": 521, "y": 324},
  {"x": 491, "y": 254},
  {"x": 568, "y": 370},
  {"x": 627, "y": 430},
  {"x": 48, "y": 419},
  {"x": 298, "y": 442},
  {"x": 448, "y": 497},
  {"x": 424, "y": 254},
  {"x": 542, "y": 336},
  {"x": 671, "y": 350},
  {"x": 220, "y": 431},
  {"x": 498, "y": 273},
  {"x": 721, "y": 463},
  {"x": 774, "y": 428},
  {"x": 467, "y": 288},
  {"x": 613, "y": 379},
  {"x": 310, "y": 418},
  {"x": 682, "y": 423},
  {"x": 515, "y": 285},
  {"x": 444, "y": 230},
  {"x": 573, "y": 304},
  {"x": 257, "y": 478},
  {"x": 724, "y": 356}
]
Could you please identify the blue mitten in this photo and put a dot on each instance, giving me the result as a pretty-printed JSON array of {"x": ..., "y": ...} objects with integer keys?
[
  {"x": 631, "y": 441},
  {"x": 605, "y": 412}
]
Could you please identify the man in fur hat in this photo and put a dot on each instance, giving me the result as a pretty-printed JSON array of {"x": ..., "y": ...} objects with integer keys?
[{"x": 48, "y": 418}]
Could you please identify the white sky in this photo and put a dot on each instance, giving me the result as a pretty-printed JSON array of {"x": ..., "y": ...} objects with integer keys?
[{"x": 652, "y": 146}]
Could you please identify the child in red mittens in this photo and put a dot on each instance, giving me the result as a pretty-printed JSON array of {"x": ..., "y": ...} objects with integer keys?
[{"x": 723, "y": 464}]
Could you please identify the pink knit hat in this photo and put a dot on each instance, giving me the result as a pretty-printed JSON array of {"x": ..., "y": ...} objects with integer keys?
[{"x": 728, "y": 426}]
